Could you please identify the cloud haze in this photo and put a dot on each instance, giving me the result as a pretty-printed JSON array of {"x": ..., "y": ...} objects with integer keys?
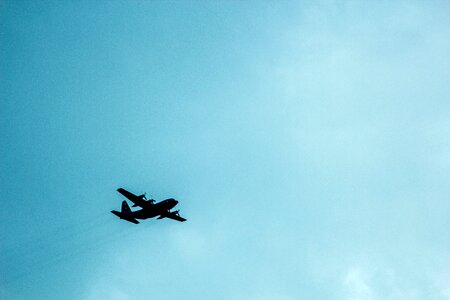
[{"x": 306, "y": 142}]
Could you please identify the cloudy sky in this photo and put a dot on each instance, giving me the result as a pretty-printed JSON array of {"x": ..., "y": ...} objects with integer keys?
[{"x": 307, "y": 142}]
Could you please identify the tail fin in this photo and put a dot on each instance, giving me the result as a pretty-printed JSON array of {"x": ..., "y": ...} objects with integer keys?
[{"x": 125, "y": 208}]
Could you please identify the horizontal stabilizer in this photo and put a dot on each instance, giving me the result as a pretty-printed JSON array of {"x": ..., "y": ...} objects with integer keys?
[{"x": 125, "y": 217}]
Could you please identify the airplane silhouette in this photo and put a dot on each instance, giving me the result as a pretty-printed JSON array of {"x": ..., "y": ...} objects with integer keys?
[{"x": 149, "y": 209}]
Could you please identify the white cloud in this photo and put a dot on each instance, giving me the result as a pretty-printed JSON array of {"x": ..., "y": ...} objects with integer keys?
[
  {"x": 365, "y": 283},
  {"x": 357, "y": 286},
  {"x": 262, "y": 294},
  {"x": 442, "y": 283},
  {"x": 106, "y": 291},
  {"x": 446, "y": 293},
  {"x": 189, "y": 243}
]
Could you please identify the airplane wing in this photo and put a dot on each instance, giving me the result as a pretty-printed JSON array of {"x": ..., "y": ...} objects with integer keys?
[
  {"x": 173, "y": 216},
  {"x": 127, "y": 194},
  {"x": 132, "y": 197}
]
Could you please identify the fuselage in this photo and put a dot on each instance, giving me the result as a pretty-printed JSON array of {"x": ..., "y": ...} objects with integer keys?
[{"x": 154, "y": 210}]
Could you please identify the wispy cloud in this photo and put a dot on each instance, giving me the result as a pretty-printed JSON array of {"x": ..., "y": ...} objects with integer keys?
[
  {"x": 377, "y": 283},
  {"x": 357, "y": 285}
]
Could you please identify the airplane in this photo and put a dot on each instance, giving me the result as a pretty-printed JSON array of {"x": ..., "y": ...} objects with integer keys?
[{"x": 149, "y": 209}]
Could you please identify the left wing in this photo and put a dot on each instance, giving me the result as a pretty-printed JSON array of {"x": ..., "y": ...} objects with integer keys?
[{"x": 172, "y": 215}]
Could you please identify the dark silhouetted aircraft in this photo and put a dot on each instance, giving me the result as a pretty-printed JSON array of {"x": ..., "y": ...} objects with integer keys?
[{"x": 150, "y": 209}]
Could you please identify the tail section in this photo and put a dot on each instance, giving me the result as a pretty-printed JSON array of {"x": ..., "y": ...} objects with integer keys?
[
  {"x": 125, "y": 208},
  {"x": 125, "y": 213}
]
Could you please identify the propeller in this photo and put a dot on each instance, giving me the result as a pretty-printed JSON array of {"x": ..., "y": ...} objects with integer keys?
[
  {"x": 151, "y": 200},
  {"x": 144, "y": 197}
]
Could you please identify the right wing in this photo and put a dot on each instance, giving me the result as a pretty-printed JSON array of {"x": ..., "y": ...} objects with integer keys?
[{"x": 137, "y": 200}]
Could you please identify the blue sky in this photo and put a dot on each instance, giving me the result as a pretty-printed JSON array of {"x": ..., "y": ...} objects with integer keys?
[{"x": 307, "y": 143}]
